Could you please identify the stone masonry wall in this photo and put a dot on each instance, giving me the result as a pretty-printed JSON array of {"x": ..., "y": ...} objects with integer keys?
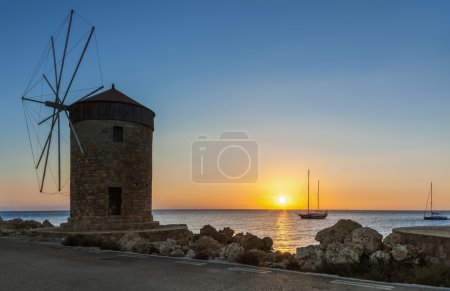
[
  {"x": 105, "y": 164},
  {"x": 435, "y": 246}
]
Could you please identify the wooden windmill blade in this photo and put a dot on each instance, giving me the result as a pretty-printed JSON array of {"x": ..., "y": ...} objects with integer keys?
[{"x": 59, "y": 81}]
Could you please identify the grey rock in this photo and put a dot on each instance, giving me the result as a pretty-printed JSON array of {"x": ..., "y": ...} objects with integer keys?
[
  {"x": 226, "y": 235},
  {"x": 176, "y": 253},
  {"x": 190, "y": 253},
  {"x": 223, "y": 236},
  {"x": 380, "y": 258},
  {"x": 408, "y": 254},
  {"x": 47, "y": 223},
  {"x": 210, "y": 231},
  {"x": 339, "y": 253},
  {"x": 249, "y": 241},
  {"x": 399, "y": 252},
  {"x": 233, "y": 251},
  {"x": 206, "y": 243},
  {"x": 129, "y": 241},
  {"x": 336, "y": 233},
  {"x": 368, "y": 238},
  {"x": 268, "y": 243},
  {"x": 168, "y": 246},
  {"x": 310, "y": 258},
  {"x": 261, "y": 255},
  {"x": 392, "y": 240}
]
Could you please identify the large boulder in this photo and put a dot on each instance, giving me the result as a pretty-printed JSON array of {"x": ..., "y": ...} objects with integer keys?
[
  {"x": 261, "y": 255},
  {"x": 206, "y": 243},
  {"x": 210, "y": 231},
  {"x": 233, "y": 251},
  {"x": 268, "y": 243},
  {"x": 392, "y": 240},
  {"x": 309, "y": 258},
  {"x": 249, "y": 241},
  {"x": 225, "y": 235},
  {"x": 343, "y": 254},
  {"x": 336, "y": 233},
  {"x": 380, "y": 258},
  {"x": 368, "y": 238}
]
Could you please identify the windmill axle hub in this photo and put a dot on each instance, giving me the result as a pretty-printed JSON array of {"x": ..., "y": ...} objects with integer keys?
[{"x": 56, "y": 105}]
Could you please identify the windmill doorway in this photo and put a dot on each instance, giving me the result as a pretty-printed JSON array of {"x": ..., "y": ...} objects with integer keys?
[{"x": 115, "y": 200}]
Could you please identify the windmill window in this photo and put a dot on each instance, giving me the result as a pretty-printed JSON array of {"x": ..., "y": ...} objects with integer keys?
[
  {"x": 115, "y": 200},
  {"x": 118, "y": 134}
]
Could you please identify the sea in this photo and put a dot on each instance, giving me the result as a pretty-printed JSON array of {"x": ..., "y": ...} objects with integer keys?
[{"x": 285, "y": 227}]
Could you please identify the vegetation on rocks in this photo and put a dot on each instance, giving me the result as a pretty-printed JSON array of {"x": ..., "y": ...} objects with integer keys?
[{"x": 90, "y": 241}]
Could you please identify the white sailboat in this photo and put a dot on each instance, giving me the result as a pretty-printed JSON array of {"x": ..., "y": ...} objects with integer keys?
[
  {"x": 433, "y": 215},
  {"x": 317, "y": 214}
]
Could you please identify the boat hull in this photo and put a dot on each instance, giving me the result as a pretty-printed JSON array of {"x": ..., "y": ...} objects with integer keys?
[
  {"x": 435, "y": 218},
  {"x": 314, "y": 215}
]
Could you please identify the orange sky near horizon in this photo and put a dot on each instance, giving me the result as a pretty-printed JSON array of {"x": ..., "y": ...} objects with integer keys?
[{"x": 344, "y": 187}]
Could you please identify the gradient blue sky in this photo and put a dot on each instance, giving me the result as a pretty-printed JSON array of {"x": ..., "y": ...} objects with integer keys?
[{"x": 358, "y": 91}]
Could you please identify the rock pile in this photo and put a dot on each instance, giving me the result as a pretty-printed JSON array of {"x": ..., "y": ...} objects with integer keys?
[
  {"x": 348, "y": 243},
  {"x": 210, "y": 244},
  {"x": 17, "y": 225}
]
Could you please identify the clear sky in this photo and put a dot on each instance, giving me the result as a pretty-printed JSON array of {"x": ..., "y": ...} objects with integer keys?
[{"x": 357, "y": 91}]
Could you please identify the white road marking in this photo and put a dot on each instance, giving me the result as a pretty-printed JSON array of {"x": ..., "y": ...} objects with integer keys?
[
  {"x": 190, "y": 263},
  {"x": 362, "y": 284},
  {"x": 249, "y": 270}
]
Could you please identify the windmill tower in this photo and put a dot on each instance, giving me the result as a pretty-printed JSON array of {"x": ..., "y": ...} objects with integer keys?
[
  {"x": 108, "y": 137},
  {"x": 111, "y": 181}
]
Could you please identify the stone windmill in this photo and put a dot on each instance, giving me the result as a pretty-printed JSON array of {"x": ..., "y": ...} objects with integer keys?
[{"x": 110, "y": 144}]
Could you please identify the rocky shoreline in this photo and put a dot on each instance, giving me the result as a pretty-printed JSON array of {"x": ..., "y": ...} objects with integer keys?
[{"x": 346, "y": 248}]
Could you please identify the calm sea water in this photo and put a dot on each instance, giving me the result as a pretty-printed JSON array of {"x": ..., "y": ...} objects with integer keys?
[{"x": 286, "y": 229}]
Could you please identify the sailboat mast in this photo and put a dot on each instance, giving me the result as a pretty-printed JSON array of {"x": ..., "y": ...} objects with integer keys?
[
  {"x": 308, "y": 191},
  {"x": 431, "y": 198},
  {"x": 318, "y": 187}
]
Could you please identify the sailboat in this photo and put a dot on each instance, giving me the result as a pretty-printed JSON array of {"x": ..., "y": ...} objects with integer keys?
[
  {"x": 433, "y": 215},
  {"x": 317, "y": 214}
]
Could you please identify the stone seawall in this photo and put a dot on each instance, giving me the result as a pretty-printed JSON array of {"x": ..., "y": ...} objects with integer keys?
[{"x": 433, "y": 241}]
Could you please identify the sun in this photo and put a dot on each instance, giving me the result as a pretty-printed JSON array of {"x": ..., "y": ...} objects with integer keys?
[{"x": 282, "y": 200}]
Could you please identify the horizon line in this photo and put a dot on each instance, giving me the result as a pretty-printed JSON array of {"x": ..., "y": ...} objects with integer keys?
[{"x": 233, "y": 209}]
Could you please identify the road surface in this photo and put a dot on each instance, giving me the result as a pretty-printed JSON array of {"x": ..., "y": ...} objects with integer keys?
[{"x": 26, "y": 265}]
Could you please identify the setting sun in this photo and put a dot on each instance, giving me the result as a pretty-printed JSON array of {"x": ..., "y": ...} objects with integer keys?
[{"x": 282, "y": 200}]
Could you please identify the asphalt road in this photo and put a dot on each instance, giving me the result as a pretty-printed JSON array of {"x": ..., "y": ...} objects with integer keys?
[{"x": 26, "y": 265}]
